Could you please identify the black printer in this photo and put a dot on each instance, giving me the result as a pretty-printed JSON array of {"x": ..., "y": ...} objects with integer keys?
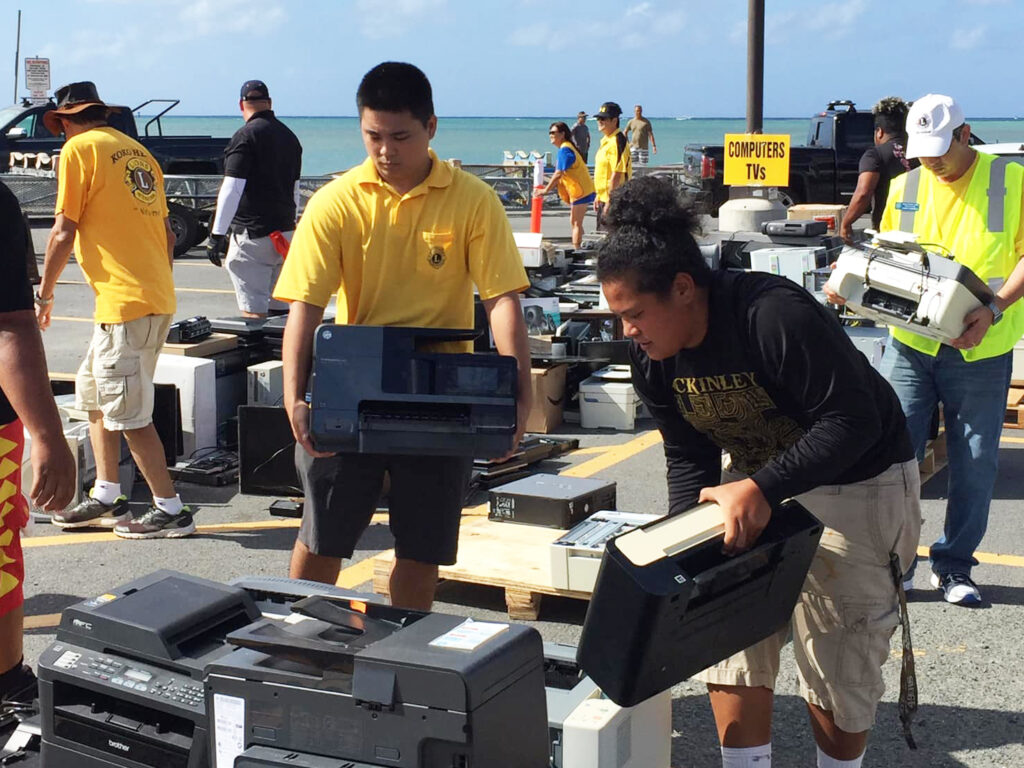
[
  {"x": 668, "y": 603},
  {"x": 353, "y": 683},
  {"x": 122, "y": 683},
  {"x": 373, "y": 390}
]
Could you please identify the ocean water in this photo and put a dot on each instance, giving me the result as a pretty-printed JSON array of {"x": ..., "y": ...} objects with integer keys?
[{"x": 332, "y": 144}]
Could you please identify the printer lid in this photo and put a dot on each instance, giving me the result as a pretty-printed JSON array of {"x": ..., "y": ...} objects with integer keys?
[
  {"x": 163, "y": 617},
  {"x": 389, "y": 653}
]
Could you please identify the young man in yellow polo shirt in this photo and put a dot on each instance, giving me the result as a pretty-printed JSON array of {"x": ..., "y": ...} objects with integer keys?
[
  {"x": 402, "y": 239},
  {"x": 111, "y": 209},
  {"x": 613, "y": 165}
]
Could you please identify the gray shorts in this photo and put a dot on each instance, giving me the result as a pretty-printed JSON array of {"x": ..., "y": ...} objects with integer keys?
[{"x": 254, "y": 264}]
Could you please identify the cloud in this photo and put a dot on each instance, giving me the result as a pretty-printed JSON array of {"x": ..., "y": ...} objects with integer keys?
[
  {"x": 633, "y": 28},
  {"x": 831, "y": 21},
  {"x": 379, "y": 20},
  {"x": 207, "y": 17},
  {"x": 968, "y": 39}
]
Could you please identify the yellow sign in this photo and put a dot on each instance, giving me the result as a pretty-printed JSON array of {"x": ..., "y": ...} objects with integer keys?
[{"x": 756, "y": 160}]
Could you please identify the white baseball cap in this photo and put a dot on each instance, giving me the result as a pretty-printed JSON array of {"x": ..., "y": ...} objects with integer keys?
[{"x": 930, "y": 124}]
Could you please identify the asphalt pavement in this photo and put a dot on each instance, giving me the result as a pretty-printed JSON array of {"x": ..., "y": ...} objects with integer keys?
[{"x": 968, "y": 661}]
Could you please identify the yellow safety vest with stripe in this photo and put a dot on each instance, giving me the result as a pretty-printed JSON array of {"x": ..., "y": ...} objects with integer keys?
[
  {"x": 982, "y": 240},
  {"x": 575, "y": 181}
]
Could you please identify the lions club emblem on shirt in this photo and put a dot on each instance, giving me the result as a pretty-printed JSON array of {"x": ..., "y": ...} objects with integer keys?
[
  {"x": 139, "y": 178},
  {"x": 436, "y": 258}
]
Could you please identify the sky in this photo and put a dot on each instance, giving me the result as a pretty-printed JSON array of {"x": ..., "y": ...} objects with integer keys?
[{"x": 526, "y": 57}]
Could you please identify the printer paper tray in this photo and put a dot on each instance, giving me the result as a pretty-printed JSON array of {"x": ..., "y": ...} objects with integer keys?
[{"x": 268, "y": 757}]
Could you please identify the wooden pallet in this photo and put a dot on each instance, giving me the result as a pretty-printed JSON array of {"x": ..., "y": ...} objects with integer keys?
[
  {"x": 935, "y": 457},
  {"x": 1014, "y": 418},
  {"x": 507, "y": 555}
]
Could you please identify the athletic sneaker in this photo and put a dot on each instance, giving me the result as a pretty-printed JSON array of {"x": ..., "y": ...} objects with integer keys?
[
  {"x": 157, "y": 524},
  {"x": 92, "y": 513},
  {"x": 957, "y": 588}
]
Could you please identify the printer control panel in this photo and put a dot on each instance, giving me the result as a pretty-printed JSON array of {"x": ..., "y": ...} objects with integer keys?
[{"x": 155, "y": 683}]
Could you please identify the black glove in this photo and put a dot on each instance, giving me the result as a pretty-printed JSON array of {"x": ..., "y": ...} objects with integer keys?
[{"x": 216, "y": 247}]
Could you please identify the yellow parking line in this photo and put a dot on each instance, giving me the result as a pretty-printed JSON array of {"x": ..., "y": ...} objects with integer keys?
[
  {"x": 990, "y": 558},
  {"x": 356, "y": 574},
  {"x": 614, "y": 455},
  {"x": 95, "y": 536},
  {"x": 177, "y": 289},
  {"x": 72, "y": 319},
  {"x": 42, "y": 621}
]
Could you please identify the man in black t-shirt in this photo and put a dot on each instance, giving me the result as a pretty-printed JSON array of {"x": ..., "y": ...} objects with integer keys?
[
  {"x": 751, "y": 364},
  {"x": 879, "y": 165},
  {"x": 257, "y": 202},
  {"x": 25, "y": 403}
]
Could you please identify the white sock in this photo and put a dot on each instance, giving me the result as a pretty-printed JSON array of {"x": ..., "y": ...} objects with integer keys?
[
  {"x": 171, "y": 506},
  {"x": 824, "y": 761},
  {"x": 105, "y": 492},
  {"x": 747, "y": 757}
]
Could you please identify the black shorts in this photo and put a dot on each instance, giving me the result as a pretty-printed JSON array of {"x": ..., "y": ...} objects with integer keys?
[{"x": 425, "y": 502}]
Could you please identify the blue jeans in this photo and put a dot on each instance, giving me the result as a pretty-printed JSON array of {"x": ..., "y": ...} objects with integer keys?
[{"x": 973, "y": 397}]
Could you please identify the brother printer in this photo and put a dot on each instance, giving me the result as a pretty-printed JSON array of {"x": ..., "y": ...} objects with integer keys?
[
  {"x": 373, "y": 391},
  {"x": 899, "y": 282},
  {"x": 347, "y": 682},
  {"x": 122, "y": 685}
]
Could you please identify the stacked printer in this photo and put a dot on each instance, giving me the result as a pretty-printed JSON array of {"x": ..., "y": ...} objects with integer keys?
[{"x": 173, "y": 670}]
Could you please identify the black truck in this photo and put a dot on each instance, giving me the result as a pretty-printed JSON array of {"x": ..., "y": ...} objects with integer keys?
[
  {"x": 824, "y": 170},
  {"x": 23, "y": 134}
]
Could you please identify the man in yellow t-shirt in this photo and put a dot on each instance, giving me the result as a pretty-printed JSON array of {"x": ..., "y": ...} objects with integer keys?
[
  {"x": 402, "y": 239},
  {"x": 612, "y": 163},
  {"x": 112, "y": 211}
]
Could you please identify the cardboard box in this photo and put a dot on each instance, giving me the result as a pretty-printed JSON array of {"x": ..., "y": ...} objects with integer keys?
[
  {"x": 548, "y": 395},
  {"x": 212, "y": 344},
  {"x": 832, "y": 215}
]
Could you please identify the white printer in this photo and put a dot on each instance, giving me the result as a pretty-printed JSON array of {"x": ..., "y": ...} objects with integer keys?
[
  {"x": 897, "y": 281},
  {"x": 576, "y": 556}
]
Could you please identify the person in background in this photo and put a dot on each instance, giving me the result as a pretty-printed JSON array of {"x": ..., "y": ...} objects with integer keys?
[
  {"x": 879, "y": 165},
  {"x": 112, "y": 211},
  {"x": 643, "y": 136},
  {"x": 581, "y": 135},
  {"x": 612, "y": 163},
  {"x": 257, "y": 202},
  {"x": 25, "y": 403},
  {"x": 572, "y": 179},
  {"x": 751, "y": 364},
  {"x": 967, "y": 204},
  {"x": 402, "y": 239}
]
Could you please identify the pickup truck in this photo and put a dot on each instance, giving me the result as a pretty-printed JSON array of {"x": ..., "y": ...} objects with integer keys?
[
  {"x": 22, "y": 133},
  {"x": 824, "y": 170}
]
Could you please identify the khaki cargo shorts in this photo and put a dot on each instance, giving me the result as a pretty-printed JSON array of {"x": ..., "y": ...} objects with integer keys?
[
  {"x": 848, "y": 609},
  {"x": 116, "y": 376}
]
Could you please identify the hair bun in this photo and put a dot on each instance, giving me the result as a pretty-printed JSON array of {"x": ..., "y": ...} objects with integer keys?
[{"x": 650, "y": 203}]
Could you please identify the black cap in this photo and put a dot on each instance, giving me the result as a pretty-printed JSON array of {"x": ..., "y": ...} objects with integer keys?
[
  {"x": 609, "y": 109},
  {"x": 254, "y": 90}
]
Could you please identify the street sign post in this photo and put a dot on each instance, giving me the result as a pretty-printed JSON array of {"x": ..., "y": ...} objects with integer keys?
[{"x": 37, "y": 77}]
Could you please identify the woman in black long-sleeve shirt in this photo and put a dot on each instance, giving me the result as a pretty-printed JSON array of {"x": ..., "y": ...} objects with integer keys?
[{"x": 751, "y": 364}]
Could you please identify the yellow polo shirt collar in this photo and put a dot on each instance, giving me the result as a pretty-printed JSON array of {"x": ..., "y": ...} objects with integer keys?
[{"x": 440, "y": 176}]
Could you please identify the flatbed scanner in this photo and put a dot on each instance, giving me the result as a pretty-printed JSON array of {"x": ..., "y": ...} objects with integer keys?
[
  {"x": 896, "y": 281},
  {"x": 374, "y": 390},
  {"x": 346, "y": 682},
  {"x": 668, "y": 604},
  {"x": 122, "y": 685}
]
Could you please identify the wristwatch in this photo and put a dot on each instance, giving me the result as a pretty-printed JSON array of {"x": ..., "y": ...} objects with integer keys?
[
  {"x": 41, "y": 301},
  {"x": 997, "y": 313}
]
